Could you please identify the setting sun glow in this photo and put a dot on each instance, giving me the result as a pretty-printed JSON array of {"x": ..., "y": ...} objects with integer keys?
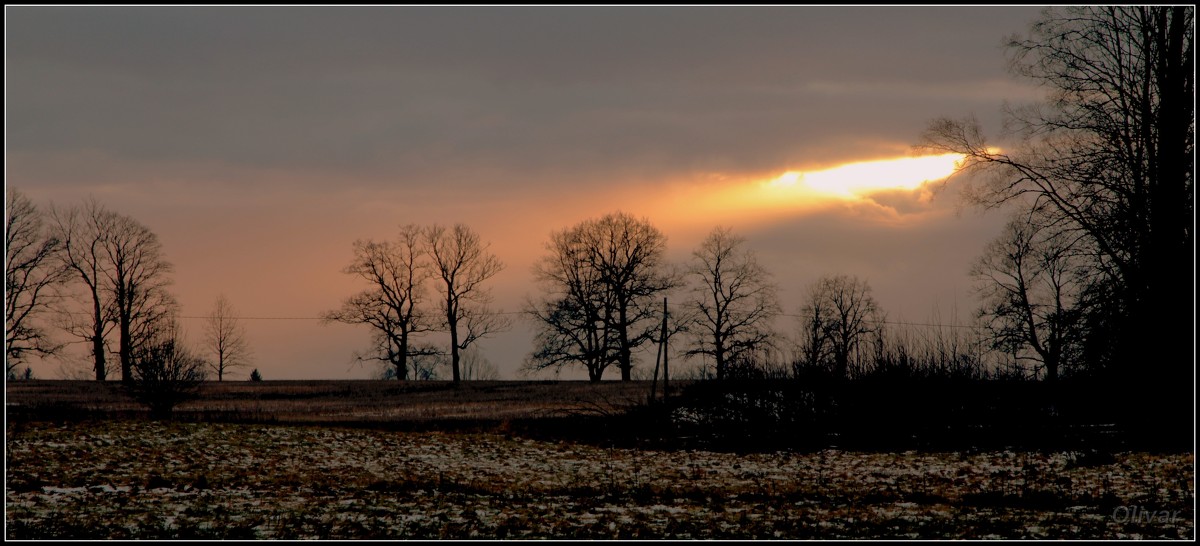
[
  {"x": 856, "y": 179},
  {"x": 757, "y": 199}
]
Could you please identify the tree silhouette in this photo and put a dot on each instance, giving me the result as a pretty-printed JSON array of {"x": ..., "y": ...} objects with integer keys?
[
  {"x": 226, "y": 338},
  {"x": 1111, "y": 154},
  {"x": 571, "y": 317},
  {"x": 837, "y": 318},
  {"x": 733, "y": 299},
  {"x": 33, "y": 272},
  {"x": 628, "y": 254},
  {"x": 136, "y": 274},
  {"x": 81, "y": 229},
  {"x": 601, "y": 277},
  {"x": 165, "y": 371},
  {"x": 396, "y": 273},
  {"x": 462, "y": 262},
  {"x": 123, "y": 272},
  {"x": 1032, "y": 287}
]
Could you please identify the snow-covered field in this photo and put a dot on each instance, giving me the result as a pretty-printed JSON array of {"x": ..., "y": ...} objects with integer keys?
[{"x": 138, "y": 479}]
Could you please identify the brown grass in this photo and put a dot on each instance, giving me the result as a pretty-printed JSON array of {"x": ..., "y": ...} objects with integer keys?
[{"x": 324, "y": 401}]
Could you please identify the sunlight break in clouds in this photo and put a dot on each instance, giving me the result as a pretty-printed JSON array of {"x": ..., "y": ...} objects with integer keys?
[
  {"x": 858, "y": 179},
  {"x": 754, "y": 200}
]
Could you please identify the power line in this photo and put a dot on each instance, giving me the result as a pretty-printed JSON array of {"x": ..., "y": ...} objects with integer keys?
[
  {"x": 902, "y": 323},
  {"x": 892, "y": 322},
  {"x": 253, "y": 318}
]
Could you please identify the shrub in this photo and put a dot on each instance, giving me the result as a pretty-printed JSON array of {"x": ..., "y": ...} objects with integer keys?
[{"x": 165, "y": 373}]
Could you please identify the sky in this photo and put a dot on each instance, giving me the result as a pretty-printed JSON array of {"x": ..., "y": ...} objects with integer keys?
[{"x": 259, "y": 142}]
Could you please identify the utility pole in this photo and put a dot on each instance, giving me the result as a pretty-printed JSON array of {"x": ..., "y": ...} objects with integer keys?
[
  {"x": 666, "y": 369},
  {"x": 661, "y": 357}
]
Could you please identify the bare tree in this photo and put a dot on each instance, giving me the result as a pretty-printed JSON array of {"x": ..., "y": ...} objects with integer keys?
[
  {"x": 121, "y": 267},
  {"x": 734, "y": 300},
  {"x": 600, "y": 280},
  {"x": 628, "y": 255},
  {"x": 81, "y": 230},
  {"x": 396, "y": 272},
  {"x": 33, "y": 272},
  {"x": 1031, "y": 283},
  {"x": 573, "y": 316},
  {"x": 1111, "y": 152},
  {"x": 166, "y": 372},
  {"x": 839, "y": 316},
  {"x": 462, "y": 262},
  {"x": 137, "y": 278},
  {"x": 226, "y": 338},
  {"x": 477, "y": 367}
]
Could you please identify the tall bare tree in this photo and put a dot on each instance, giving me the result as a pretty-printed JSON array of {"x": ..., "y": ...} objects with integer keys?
[
  {"x": 1111, "y": 151},
  {"x": 226, "y": 338},
  {"x": 628, "y": 255},
  {"x": 462, "y": 262},
  {"x": 733, "y": 299},
  {"x": 600, "y": 280},
  {"x": 33, "y": 273},
  {"x": 137, "y": 277},
  {"x": 396, "y": 273},
  {"x": 82, "y": 232},
  {"x": 838, "y": 317},
  {"x": 1031, "y": 285},
  {"x": 573, "y": 316},
  {"x": 120, "y": 264}
]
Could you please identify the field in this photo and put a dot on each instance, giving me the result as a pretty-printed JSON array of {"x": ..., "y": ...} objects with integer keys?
[{"x": 332, "y": 477}]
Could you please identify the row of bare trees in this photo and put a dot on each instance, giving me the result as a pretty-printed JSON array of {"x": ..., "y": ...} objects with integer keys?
[
  {"x": 394, "y": 305},
  {"x": 602, "y": 279},
  {"x": 94, "y": 275}
]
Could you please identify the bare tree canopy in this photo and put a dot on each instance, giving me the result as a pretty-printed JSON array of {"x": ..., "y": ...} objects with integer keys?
[
  {"x": 123, "y": 274},
  {"x": 1111, "y": 154},
  {"x": 81, "y": 229},
  {"x": 733, "y": 299},
  {"x": 463, "y": 264},
  {"x": 226, "y": 338},
  {"x": 137, "y": 278},
  {"x": 835, "y": 321},
  {"x": 395, "y": 272},
  {"x": 571, "y": 316},
  {"x": 1032, "y": 285},
  {"x": 601, "y": 278},
  {"x": 33, "y": 272}
]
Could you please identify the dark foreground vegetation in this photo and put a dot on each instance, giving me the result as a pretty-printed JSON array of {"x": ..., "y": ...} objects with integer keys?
[
  {"x": 733, "y": 415},
  {"x": 730, "y": 459}
]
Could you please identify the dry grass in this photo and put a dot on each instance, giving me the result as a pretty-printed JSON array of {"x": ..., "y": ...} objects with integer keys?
[
  {"x": 341, "y": 401},
  {"x": 137, "y": 479}
]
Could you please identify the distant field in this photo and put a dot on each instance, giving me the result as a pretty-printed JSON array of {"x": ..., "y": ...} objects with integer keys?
[{"x": 362, "y": 401}]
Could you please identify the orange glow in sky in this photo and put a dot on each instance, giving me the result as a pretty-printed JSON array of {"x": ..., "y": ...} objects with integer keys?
[
  {"x": 755, "y": 200},
  {"x": 856, "y": 179}
]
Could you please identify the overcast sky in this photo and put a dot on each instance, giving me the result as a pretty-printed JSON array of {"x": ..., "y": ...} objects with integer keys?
[{"x": 259, "y": 143}]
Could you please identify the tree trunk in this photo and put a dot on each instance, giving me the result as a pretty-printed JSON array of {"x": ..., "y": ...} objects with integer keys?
[
  {"x": 98, "y": 339},
  {"x": 625, "y": 358},
  {"x": 452, "y": 322},
  {"x": 126, "y": 350}
]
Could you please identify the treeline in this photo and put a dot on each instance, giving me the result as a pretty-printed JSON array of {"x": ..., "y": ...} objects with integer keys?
[
  {"x": 1091, "y": 277},
  {"x": 101, "y": 278}
]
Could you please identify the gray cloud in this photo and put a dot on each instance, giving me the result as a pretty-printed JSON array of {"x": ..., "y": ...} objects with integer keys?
[{"x": 395, "y": 92}]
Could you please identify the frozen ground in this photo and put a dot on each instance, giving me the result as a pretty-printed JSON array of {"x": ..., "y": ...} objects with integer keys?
[{"x": 137, "y": 479}]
